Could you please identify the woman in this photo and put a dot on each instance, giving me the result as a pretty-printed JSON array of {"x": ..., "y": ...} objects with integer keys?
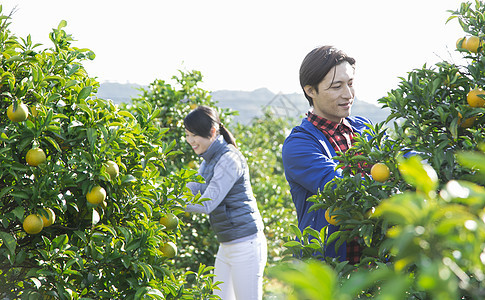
[{"x": 232, "y": 208}]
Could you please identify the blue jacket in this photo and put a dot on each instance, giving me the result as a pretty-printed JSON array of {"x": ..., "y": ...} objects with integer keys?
[{"x": 308, "y": 164}]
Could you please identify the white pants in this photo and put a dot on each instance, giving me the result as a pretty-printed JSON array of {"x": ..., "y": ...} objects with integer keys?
[{"x": 240, "y": 267}]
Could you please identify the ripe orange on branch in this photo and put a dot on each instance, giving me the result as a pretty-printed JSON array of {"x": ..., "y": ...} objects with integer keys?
[
  {"x": 18, "y": 115},
  {"x": 35, "y": 157},
  {"x": 170, "y": 221},
  {"x": 330, "y": 219},
  {"x": 96, "y": 196},
  {"x": 473, "y": 98},
  {"x": 48, "y": 221},
  {"x": 169, "y": 249},
  {"x": 112, "y": 169},
  {"x": 380, "y": 172},
  {"x": 467, "y": 123},
  {"x": 33, "y": 224},
  {"x": 460, "y": 43},
  {"x": 472, "y": 44}
]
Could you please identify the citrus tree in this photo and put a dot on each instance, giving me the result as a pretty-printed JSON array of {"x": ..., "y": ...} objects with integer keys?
[
  {"x": 261, "y": 141},
  {"x": 436, "y": 244},
  {"x": 174, "y": 101},
  {"x": 420, "y": 235},
  {"x": 83, "y": 184}
]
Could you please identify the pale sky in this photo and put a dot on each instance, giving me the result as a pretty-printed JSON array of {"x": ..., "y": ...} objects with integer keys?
[{"x": 246, "y": 44}]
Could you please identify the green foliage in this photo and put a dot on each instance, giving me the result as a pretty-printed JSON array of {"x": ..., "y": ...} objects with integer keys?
[
  {"x": 83, "y": 254},
  {"x": 307, "y": 280},
  {"x": 436, "y": 244},
  {"x": 173, "y": 103},
  {"x": 422, "y": 229},
  {"x": 197, "y": 241},
  {"x": 261, "y": 143}
]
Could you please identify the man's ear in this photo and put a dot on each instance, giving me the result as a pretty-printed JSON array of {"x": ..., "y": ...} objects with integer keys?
[{"x": 309, "y": 90}]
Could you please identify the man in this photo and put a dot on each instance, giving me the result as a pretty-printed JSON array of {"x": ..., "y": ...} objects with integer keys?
[{"x": 326, "y": 77}]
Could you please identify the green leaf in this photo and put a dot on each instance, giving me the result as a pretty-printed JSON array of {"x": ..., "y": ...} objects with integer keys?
[
  {"x": 292, "y": 244},
  {"x": 53, "y": 143},
  {"x": 400, "y": 209},
  {"x": 419, "y": 174},
  {"x": 21, "y": 195},
  {"x": 5, "y": 190},
  {"x": 313, "y": 280},
  {"x": 62, "y": 24},
  {"x": 128, "y": 178},
  {"x": 127, "y": 114},
  {"x": 311, "y": 232},
  {"x": 296, "y": 231},
  {"x": 110, "y": 229},
  {"x": 134, "y": 244},
  {"x": 84, "y": 93},
  {"x": 81, "y": 235},
  {"x": 60, "y": 241},
  {"x": 54, "y": 78},
  {"x": 472, "y": 160},
  {"x": 333, "y": 237},
  {"x": 9, "y": 242}
]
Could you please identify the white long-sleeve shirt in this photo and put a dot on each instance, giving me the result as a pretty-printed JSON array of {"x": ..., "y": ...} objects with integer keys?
[{"x": 226, "y": 172}]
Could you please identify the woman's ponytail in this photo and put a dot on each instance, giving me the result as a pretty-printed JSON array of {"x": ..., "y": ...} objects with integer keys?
[{"x": 227, "y": 135}]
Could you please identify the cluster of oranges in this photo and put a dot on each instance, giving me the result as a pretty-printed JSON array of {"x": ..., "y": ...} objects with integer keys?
[
  {"x": 472, "y": 44},
  {"x": 171, "y": 222},
  {"x": 34, "y": 223},
  {"x": 474, "y": 100}
]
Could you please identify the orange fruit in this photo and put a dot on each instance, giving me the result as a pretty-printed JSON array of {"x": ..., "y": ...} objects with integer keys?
[
  {"x": 472, "y": 44},
  {"x": 193, "y": 106},
  {"x": 330, "y": 219},
  {"x": 170, "y": 221},
  {"x": 35, "y": 157},
  {"x": 20, "y": 114},
  {"x": 474, "y": 100},
  {"x": 96, "y": 196},
  {"x": 380, "y": 172},
  {"x": 461, "y": 41},
  {"x": 33, "y": 224},
  {"x": 169, "y": 249},
  {"x": 48, "y": 221},
  {"x": 467, "y": 123},
  {"x": 112, "y": 169}
]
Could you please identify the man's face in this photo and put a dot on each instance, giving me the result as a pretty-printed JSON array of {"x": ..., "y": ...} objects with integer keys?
[{"x": 335, "y": 95}]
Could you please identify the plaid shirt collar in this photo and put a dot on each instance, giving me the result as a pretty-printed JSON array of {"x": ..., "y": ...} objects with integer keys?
[{"x": 325, "y": 125}]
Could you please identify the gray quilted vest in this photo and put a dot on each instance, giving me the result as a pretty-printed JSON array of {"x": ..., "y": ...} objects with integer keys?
[{"x": 237, "y": 215}]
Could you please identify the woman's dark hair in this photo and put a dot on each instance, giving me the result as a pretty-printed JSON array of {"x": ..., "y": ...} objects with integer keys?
[
  {"x": 317, "y": 64},
  {"x": 201, "y": 120}
]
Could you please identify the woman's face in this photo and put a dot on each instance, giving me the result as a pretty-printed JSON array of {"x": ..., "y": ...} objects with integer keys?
[{"x": 199, "y": 144}]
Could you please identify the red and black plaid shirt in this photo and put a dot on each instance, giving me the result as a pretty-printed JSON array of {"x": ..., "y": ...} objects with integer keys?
[{"x": 341, "y": 137}]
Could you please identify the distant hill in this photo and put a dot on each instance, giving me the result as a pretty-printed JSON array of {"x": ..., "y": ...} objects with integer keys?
[
  {"x": 248, "y": 104},
  {"x": 119, "y": 92}
]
